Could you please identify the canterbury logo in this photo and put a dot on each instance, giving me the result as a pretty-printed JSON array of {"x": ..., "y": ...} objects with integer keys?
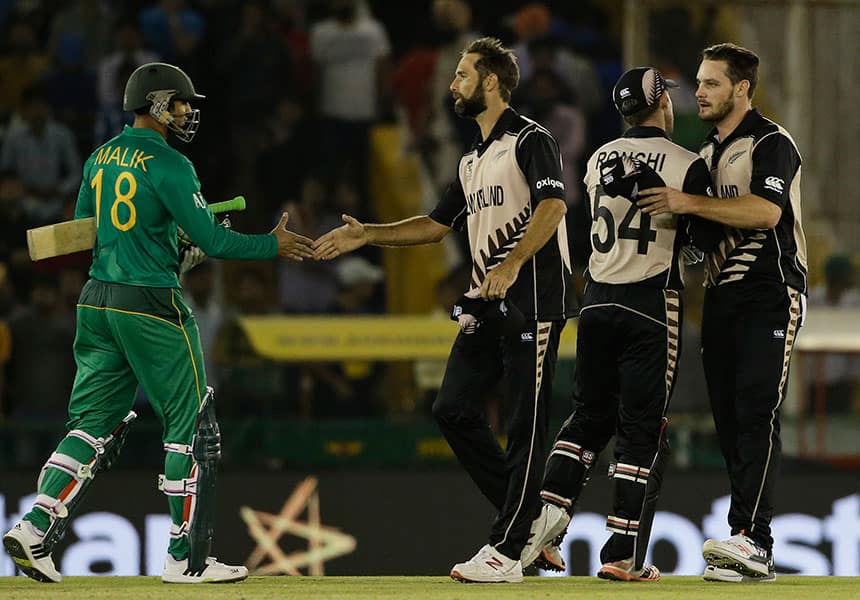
[{"x": 774, "y": 183}]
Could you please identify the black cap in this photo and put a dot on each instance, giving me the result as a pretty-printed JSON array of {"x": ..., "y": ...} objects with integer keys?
[{"x": 639, "y": 88}]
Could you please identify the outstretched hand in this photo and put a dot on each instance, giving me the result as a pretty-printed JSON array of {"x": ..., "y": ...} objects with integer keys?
[
  {"x": 342, "y": 240},
  {"x": 291, "y": 245}
]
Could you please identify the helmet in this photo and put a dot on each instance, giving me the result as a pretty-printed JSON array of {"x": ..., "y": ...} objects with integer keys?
[{"x": 155, "y": 85}]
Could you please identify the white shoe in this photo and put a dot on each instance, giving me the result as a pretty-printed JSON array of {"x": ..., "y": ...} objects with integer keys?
[
  {"x": 623, "y": 570},
  {"x": 740, "y": 554},
  {"x": 24, "y": 544},
  {"x": 550, "y": 559},
  {"x": 551, "y": 521},
  {"x": 176, "y": 571},
  {"x": 713, "y": 573},
  {"x": 488, "y": 566}
]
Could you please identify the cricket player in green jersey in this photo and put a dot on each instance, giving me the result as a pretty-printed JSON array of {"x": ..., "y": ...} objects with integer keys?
[{"x": 133, "y": 328}]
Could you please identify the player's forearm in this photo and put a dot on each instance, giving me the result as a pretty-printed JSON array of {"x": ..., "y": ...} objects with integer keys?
[
  {"x": 745, "y": 212},
  {"x": 408, "y": 232},
  {"x": 219, "y": 242},
  {"x": 543, "y": 224}
]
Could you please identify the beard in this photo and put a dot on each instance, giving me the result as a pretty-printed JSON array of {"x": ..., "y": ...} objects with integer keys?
[
  {"x": 471, "y": 107},
  {"x": 719, "y": 112}
]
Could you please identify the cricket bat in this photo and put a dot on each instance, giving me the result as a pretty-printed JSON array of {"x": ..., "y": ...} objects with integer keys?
[{"x": 80, "y": 234}]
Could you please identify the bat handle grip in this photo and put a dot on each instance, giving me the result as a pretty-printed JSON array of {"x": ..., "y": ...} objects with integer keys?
[{"x": 237, "y": 203}]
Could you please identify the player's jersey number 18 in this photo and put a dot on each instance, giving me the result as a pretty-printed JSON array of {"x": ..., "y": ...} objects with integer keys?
[
  {"x": 125, "y": 187},
  {"x": 643, "y": 234}
]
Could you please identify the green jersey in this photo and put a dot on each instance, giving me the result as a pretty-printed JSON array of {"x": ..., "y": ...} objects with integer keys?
[{"x": 139, "y": 190}]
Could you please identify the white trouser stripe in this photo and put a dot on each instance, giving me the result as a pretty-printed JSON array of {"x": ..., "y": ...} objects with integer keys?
[{"x": 543, "y": 330}]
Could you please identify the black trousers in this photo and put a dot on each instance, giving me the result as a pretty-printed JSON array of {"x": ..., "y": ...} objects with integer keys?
[
  {"x": 628, "y": 343},
  {"x": 748, "y": 332},
  {"x": 509, "y": 478}
]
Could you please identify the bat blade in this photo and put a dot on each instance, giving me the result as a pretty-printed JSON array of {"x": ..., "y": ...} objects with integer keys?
[
  {"x": 61, "y": 238},
  {"x": 68, "y": 237}
]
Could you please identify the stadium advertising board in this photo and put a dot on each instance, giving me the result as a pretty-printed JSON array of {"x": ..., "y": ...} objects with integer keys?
[{"x": 399, "y": 522}]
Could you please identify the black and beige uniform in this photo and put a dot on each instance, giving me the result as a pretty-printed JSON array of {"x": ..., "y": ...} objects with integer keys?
[
  {"x": 500, "y": 182},
  {"x": 754, "y": 304},
  {"x": 628, "y": 339}
]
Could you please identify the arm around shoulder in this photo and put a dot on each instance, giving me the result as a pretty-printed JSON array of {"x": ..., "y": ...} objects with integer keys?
[{"x": 744, "y": 212}]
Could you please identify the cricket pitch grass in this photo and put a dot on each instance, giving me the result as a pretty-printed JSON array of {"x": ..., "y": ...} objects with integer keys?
[{"x": 425, "y": 588}]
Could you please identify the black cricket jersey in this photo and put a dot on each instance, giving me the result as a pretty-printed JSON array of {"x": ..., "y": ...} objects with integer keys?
[
  {"x": 499, "y": 184},
  {"x": 629, "y": 246},
  {"x": 759, "y": 157}
]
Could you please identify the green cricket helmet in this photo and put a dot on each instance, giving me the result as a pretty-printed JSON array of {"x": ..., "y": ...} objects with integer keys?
[{"x": 155, "y": 85}]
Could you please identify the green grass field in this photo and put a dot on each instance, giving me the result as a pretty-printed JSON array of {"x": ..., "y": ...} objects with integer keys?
[{"x": 423, "y": 588}]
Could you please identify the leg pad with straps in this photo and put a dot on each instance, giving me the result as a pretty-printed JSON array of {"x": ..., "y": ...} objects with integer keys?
[{"x": 60, "y": 509}]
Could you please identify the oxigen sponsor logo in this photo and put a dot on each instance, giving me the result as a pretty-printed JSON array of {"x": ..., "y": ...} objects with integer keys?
[{"x": 549, "y": 181}]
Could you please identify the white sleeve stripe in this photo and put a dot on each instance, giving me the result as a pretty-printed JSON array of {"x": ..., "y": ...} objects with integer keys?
[
  {"x": 530, "y": 130},
  {"x": 536, "y": 124},
  {"x": 783, "y": 134},
  {"x": 457, "y": 216},
  {"x": 524, "y": 135},
  {"x": 764, "y": 138}
]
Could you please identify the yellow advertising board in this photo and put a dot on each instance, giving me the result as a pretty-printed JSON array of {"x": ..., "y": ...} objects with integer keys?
[{"x": 389, "y": 337}]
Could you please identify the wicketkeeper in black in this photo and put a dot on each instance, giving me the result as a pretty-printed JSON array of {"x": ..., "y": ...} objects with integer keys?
[{"x": 628, "y": 340}]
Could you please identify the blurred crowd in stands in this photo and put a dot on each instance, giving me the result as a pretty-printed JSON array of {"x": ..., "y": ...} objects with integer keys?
[{"x": 293, "y": 89}]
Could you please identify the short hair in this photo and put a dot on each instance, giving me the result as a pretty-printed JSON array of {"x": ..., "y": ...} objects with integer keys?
[
  {"x": 742, "y": 63},
  {"x": 640, "y": 116},
  {"x": 498, "y": 60}
]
